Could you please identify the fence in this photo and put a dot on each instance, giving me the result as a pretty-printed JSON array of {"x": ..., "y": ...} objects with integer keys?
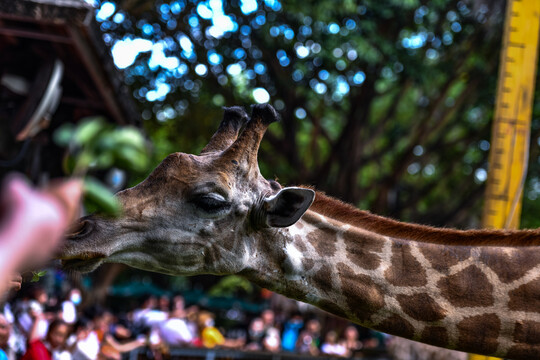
[{"x": 209, "y": 354}]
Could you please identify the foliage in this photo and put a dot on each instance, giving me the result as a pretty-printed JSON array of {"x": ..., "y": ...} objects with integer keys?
[
  {"x": 95, "y": 145},
  {"x": 36, "y": 275},
  {"x": 384, "y": 104},
  {"x": 229, "y": 286}
]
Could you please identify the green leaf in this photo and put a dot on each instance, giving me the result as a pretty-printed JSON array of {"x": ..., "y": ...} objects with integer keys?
[
  {"x": 88, "y": 129},
  {"x": 36, "y": 275},
  {"x": 63, "y": 135},
  {"x": 131, "y": 158},
  {"x": 100, "y": 198},
  {"x": 129, "y": 136}
]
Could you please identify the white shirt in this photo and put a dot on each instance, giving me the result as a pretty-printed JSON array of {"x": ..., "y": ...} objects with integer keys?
[
  {"x": 69, "y": 312},
  {"x": 175, "y": 332},
  {"x": 86, "y": 349},
  {"x": 333, "y": 349}
]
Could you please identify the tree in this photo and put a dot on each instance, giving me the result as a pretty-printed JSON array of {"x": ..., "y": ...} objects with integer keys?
[{"x": 386, "y": 105}]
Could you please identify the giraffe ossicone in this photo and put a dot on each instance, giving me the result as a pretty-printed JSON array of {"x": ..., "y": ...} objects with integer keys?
[{"x": 476, "y": 291}]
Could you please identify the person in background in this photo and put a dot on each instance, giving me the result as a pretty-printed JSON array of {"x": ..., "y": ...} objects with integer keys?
[
  {"x": 110, "y": 348},
  {"x": 69, "y": 306},
  {"x": 255, "y": 335},
  {"x": 84, "y": 343},
  {"x": 175, "y": 331},
  {"x": 37, "y": 312},
  {"x": 5, "y": 332},
  {"x": 211, "y": 336},
  {"x": 148, "y": 315},
  {"x": 291, "y": 331},
  {"x": 53, "y": 347},
  {"x": 192, "y": 322},
  {"x": 310, "y": 338},
  {"x": 164, "y": 304},
  {"x": 272, "y": 340},
  {"x": 351, "y": 341},
  {"x": 332, "y": 346},
  {"x": 272, "y": 337},
  {"x": 32, "y": 224}
]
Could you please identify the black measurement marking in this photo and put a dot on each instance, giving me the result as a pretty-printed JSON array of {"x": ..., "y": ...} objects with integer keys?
[
  {"x": 510, "y": 60},
  {"x": 505, "y": 105},
  {"x": 507, "y": 120},
  {"x": 499, "y": 151},
  {"x": 497, "y": 166},
  {"x": 507, "y": 74},
  {"x": 506, "y": 89},
  {"x": 515, "y": 13},
  {"x": 511, "y": 121},
  {"x": 500, "y": 135},
  {"x": 501, "y": 197},
  {"x": 516, "y": 45},
  {"x": 513, "y": 29}
]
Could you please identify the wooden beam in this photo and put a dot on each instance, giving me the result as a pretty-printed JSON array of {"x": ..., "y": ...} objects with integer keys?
[{"x": 24, "y": 33}]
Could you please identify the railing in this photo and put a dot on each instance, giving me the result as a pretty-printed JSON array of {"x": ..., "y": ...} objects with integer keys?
[{"x": 220, "y": 354}]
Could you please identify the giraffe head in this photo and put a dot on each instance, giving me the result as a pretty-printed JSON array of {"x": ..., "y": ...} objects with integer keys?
[{"x": 194, "y": 214}]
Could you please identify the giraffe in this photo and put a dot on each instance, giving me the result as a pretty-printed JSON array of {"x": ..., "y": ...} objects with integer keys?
[{"x": 475, "y": 291}]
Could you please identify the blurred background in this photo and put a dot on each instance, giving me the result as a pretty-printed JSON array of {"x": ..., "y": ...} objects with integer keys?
[{"x": 387, "y": 105}]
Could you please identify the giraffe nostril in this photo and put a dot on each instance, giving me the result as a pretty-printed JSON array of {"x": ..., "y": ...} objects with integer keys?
[{"x": 80, "y": 229}]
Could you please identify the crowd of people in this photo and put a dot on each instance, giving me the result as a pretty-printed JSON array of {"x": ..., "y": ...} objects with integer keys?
[{"x": 34, "y": 325}]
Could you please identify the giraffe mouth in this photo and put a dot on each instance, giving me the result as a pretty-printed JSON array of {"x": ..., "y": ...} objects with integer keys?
[
  {"x": 82, "y": 266},
  {"x": 84, "y": 263}
]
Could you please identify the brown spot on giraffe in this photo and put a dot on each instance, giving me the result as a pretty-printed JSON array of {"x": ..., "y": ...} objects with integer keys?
[
  {"x": 323, "y": 279},
  {"x": 526, "y": 297},
  {"x": 479, "y": 331},
  {"x": 442, "y": 258},
  {"x": 364, "y": 297},
  {"x": 523, "y": 351},
  {"x": 421, "y": 307},
  {"x": 468, "y": 288},
  {"x": 435, "y": 335},
  {"x": 363, "y": 251},
  {"x": 324, "y": 241},
  {"x": 527, "y": 332},
  {"x": 332, "y": 308},
  {"x": 512, "y": 265},
  {"x": 299, "y": 244},
  {"x": 308, "y": 264},
  {"x": 396, "y": 325},
  {"x": 405, "y": 269}
]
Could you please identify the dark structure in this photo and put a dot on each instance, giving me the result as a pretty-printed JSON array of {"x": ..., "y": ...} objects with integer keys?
[{"x": 54, "y": 68}]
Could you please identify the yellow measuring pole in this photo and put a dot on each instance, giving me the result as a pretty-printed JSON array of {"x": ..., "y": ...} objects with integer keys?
[
  {"x": 508, "y": 157},
  {"x": 509, "y": 151}
]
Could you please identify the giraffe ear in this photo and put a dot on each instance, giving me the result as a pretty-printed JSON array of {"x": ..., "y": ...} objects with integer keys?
[{"x": 287, "y": 206}]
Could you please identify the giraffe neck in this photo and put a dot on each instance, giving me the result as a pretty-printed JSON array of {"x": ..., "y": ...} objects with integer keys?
[{"x": 481, "y": 299}]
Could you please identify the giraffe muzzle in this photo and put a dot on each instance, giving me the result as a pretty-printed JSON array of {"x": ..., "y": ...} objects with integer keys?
[{"x": 80, "y": 229}]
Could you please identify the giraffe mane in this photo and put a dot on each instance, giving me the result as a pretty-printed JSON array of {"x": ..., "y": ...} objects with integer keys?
[{"x": 343, "y": 212}]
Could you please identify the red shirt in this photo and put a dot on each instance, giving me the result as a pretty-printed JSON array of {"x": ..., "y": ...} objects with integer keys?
[{"x": 37, "y": 351}]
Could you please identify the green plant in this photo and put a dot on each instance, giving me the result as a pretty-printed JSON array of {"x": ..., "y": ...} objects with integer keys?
[
  {"x": 93, "y": 144},
  {"x": 229, "y": 286},
  {"x": 36, "y": 275}
]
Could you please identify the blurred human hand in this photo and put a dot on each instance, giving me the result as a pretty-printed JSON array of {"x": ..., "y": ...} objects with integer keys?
[
  {"x": 15, "y": 282},
  {"x": 32, "y": 222}
]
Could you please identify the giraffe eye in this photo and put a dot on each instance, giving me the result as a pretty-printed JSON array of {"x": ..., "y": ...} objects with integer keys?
[{"x": 211, "y": 203}]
